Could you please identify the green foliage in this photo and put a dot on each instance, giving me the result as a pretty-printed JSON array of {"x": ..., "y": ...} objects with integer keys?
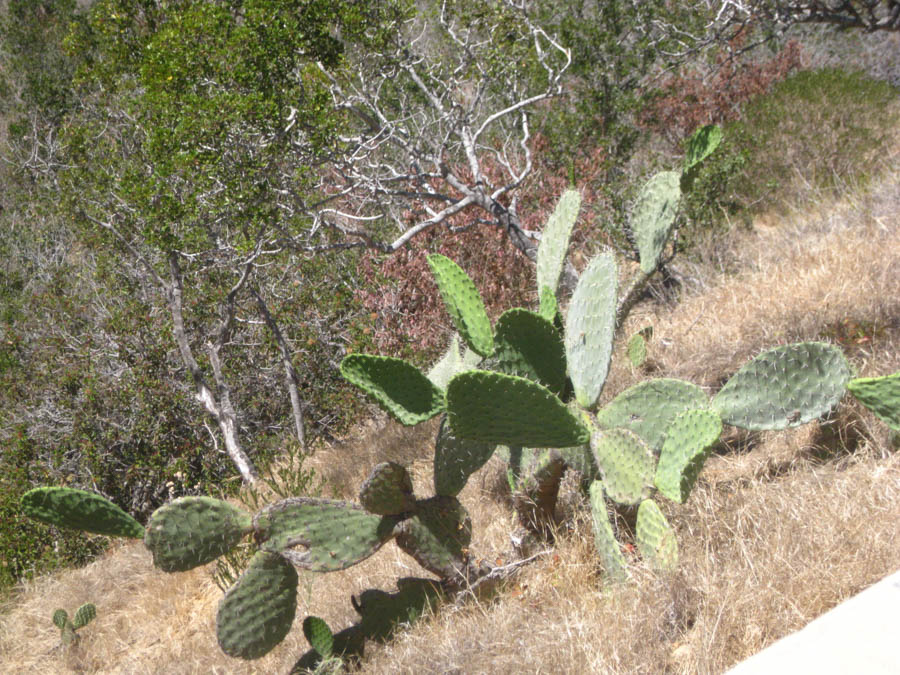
[{"x": 836, "y": 125}]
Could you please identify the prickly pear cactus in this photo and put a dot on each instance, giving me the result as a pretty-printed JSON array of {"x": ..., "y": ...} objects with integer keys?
[
  {"x": 654, "y": 217},
  {"x": 319, "y": 635},
  {"x": 437, "y": 536},
  {"x": 388, "y": 490},
  {"x": 689, "y": 438},
  {"x": 527, "y": 345},
  {"x": 590, "y": 328},
  {"x": 193, "y": 531},
  {"x": 555, "y": 241},
  {"x": 257, "y": 612},
  {"x": 68, "y": 628},
  {"x": 496, "y": 408},
  {"x": 455, "y": 459},
  {"x": 611, "y": 558},
  {"x": 655, "y": 537},
  {"x": 332, "y": 535},
  {"x": 397, "y": 386},
  {"x": 648, "y": 407},
  {"x": 881, "y": 395},
  {"x": 79, "y": 510},
  {"x": 784, "y": 387},
  {"x": 626, "y": 464},
  {"x": 464, "y": 304}
]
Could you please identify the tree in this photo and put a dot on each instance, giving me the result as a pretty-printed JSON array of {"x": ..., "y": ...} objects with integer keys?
[{"x": 186, "y": 153}]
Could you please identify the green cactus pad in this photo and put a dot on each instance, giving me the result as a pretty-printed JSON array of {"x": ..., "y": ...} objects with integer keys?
[
  {"x": 626, "y": 464},
  {"x": 590, "y": 328},
  {"x": 346, "y": 644},
  {"x": 496, "y": 408},
  {"x": 637, "y": 350},
  {"x": 881, "y": 395},
  {"x": 397, "y": 386},
  {"x": 60, "y": 618},
  {"x": 335, "y": 534},
  {"x": 319, "y": 635},
  {"x": 456, "y": 459},
  {"x": 437, "y": 536},
  {"x": 549, "y": 308},
  {"x": 84, "y": 615},
  {"x": 382, "y": 612},
  {"x": 388, "y": 490},
  {"x": 689, "y": 438},
  {"x": 784, "y": 387},
  {"x": 654, "y": 215},
  {"x": 701, "y": 145},
  {"x": 193, "y": 531},
  {"x": 611, "y": 558},
  {"x": 555, "y": 240},
  {"x": 464, "y": 304},
  {"x": 79, "y": 510},
  {"x": 655, "y": 537},
  {"x": 257, "y": 612},
  {"x": 648, "y": 408},
  {"x": 527, "y": 345}
]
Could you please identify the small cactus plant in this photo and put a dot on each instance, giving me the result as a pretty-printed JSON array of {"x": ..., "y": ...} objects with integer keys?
[{"x": 68, "y": 628}]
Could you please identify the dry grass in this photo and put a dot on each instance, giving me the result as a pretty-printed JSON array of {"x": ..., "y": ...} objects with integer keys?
[{"x": 775, "y": 534}]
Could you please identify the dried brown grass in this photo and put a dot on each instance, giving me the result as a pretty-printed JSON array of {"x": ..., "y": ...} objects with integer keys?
[{"x": 773, "y": 536}]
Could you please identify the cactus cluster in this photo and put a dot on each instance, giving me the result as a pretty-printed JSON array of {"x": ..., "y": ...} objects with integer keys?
[
  {"x": 528, "y": 388},
  {"x": 68, "y": 628},
  {"x": 319, "y": 535}
]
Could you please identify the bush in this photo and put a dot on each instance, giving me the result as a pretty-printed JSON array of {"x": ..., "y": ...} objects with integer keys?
[{"x": 813, "y": 133}]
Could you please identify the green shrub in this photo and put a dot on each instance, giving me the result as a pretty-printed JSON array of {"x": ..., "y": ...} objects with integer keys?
[{"x": 813, "y": 133}]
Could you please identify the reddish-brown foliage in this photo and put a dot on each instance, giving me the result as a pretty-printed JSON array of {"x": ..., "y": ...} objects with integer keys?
[{"x": 693, "y": 98}]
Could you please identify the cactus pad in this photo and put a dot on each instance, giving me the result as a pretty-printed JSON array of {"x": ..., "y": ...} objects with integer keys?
[
  {"x": 611, "y": 558},
  {"x": 257, "y": 612},
  {"x": 456, "y": 459},
  {"x": 79, "y": 510},
  {"x": 549, "y": 308},
  {"x": 527, "y": 345},
  {"x": 388, "y": 490},
  {"x": 648, "y": 408},
  {"x": 654, "y": 215},
  {"x": 437, "y": 536},
  {"x": 590, "y": 328},
  {"x": 397, "y": 386},
  {"x": 701, "y": 145},
  {"x": 496, "y": 408},
  {"x": 626, "y": 464},
  {"x": 655, "y": 537},
  {"x": 84, "y": 615},
  {"x": 637, "y": 350},
  {"x": 555, "y": 240},
  {"x": 688, "y": 440},
  {"x": 319, "y": 635},
  {"x": 784, "y": 387},
  {"x": 335, "y": 534},
  {"x": 60, "y": 618},
  {"x": 193, "y": 531},
  {"x": 881, "y": 395},
  {"x": 464, "y": 304}
]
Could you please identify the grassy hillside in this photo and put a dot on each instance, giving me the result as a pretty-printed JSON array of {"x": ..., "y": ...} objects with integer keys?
[{"x": 781, "y": 528}]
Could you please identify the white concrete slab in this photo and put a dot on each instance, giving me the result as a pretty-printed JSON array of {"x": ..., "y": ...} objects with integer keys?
[{"x": 861, "y": 636}]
